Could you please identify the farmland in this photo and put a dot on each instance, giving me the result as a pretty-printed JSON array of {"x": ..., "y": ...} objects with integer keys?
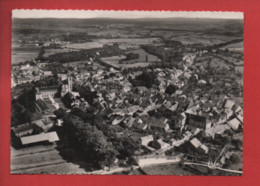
[
  {"x": 24, "y": 54},
  {"x": 142, "y": 56},
  {"x": 51, "y": 51},
  {"x": 42, "y": 159},
  {"x": 235, "y": 47},
  {"x": 140, "y": 62},
  {"x": 206, "y": 40},
  {"x": 168, "y": 169},
  {"x": 124, "y": 43}
]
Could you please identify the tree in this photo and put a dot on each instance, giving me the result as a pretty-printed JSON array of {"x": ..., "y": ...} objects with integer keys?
[
  {"x": 60, "y": 113},
  {"x": 146, "y": 78},
  {"x": 235, "y": 158},
  {"x": 130, "y": 145},
  {"x": 90, "y": 141},
  {"x": 171, "y": 89},
  {"x": 41, "y": 53}
]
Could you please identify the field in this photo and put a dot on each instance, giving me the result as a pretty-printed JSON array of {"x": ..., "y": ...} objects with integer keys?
[
  {"x": 51, "y": 51},
  {"x": 143, "y": 54},
  {"x": 206, "y": 40},
  {"x": 167, "y": 169},
  {"x": 235, "y": 47},
  {"x": 124, "y": 43},
  {"x": 24, "y": 54},
  {"x": 140, "y": 62},
  {"x": 189, "y": 37},
  {"x": 42, "y": 159}
]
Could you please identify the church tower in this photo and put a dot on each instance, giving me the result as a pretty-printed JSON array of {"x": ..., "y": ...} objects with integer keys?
[{"x": 70, "y": 84}]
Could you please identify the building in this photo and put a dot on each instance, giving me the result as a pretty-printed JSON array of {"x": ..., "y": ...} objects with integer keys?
[
  {"x": 146, "y": 139},
  {"x": 67, "y": 87},
  {"x": 47, "y": 73},
  {"x": 13, "y": 84},
  {"x": 198, "y": 121},
  {"x": 163, "y": 144},
  {"x": 62, "y": 76},
  {"x": 43, "y": 137},
  {"x": 195, "y": 144},
  {"x": 159, "y": 124},
  {"x": 46, "y": 92},
  {"x": 234, "y": 123},
  {"x": 23, "y": 129}
]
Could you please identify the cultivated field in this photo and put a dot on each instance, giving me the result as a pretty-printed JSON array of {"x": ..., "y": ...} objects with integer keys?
[
  {"x": 235, "y": 47},
  {"x": 24, "y": 54},
  {"x": 124, "y": 43},
  {"x": 140, "y": 62},
  {"x": 143, "y": 54},
  {"x": 42, "y": 159},
  {"x": 166, "y": 169},
  {"x": 51, "y": 51}
]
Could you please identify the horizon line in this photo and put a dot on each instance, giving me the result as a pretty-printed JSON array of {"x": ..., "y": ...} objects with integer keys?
[
  {"x": 126, "y": 18},
  {"x": 113, "y": 14}
]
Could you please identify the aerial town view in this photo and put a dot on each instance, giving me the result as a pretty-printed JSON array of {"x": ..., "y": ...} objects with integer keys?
[{"x": 127, "y": 93}]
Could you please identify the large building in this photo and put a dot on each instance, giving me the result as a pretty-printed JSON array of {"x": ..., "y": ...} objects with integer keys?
[
  {"x": 46, "y": 92},
  {"x": 198, "y": 121},
  {"x": 67, "y": 87}
]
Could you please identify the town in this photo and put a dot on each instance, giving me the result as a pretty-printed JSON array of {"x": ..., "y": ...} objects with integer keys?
[{"x": 147, "y": 103}]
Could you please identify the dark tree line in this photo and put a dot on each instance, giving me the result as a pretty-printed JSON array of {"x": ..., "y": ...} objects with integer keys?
[
  {"x": 90, "y": 141},
  {"x": 146, "y": 79}
]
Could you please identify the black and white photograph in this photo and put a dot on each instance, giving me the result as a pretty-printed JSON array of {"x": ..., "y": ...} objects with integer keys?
[{"x": 127, "y": 92}]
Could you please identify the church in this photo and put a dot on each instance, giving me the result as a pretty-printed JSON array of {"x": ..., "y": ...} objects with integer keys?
[{"x": 47, "y": 92}]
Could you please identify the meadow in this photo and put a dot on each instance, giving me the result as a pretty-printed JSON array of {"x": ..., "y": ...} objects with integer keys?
[
  {"x": 124, "y": 43},
  {"x": 24, "y": 54}
]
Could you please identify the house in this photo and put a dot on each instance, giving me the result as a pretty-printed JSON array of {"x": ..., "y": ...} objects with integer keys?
[
  {"x": 23, "y": 129},
  {"x": 127, "y": 88},
  {"x": 139, "y": 124},
  {"x": 141, "y": 89},
  {"x": 178, "y": 92},
  {"x": 45, "y": 124},
  {"x": 43, "y": 137},
  {"x": 179, "y": 83},
  {"x": 203, "y": 149},
  {"x": 198, "y": 146},
  {"x": 240, "y": 118},
  {"x": 198, "y": 121},
  {"x": 202, "y": 82},
  {"x": 163, "y": 144},
  {"x": 47, "y": 73},
  {"x": 25, "y": 66},
  {"x": 228, "y": 104},
  {"x": 62, "y": 76},
  {"x": 228, "y": 113},
  {"x": 218, "y": 129},
  {"x": 234, "y": 123},
  {"x": 237, "y": 109},
  {"x": 151, "y": 159},
  {"x": 159, "y": 124},
  {"x": 130, "y": 122},
  {"x": 131, "y": 110},
  {"x": 195, "y": 143},
  {"x": 118, "y": 120},
  {"x": 146, "y": 139}
]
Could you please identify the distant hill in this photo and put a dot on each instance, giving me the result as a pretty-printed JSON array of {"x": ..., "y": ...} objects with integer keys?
[{"x": 175, "y": 20}]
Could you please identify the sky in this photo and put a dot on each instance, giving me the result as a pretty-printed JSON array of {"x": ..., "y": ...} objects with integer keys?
[{"x": 121, "y": 14}]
